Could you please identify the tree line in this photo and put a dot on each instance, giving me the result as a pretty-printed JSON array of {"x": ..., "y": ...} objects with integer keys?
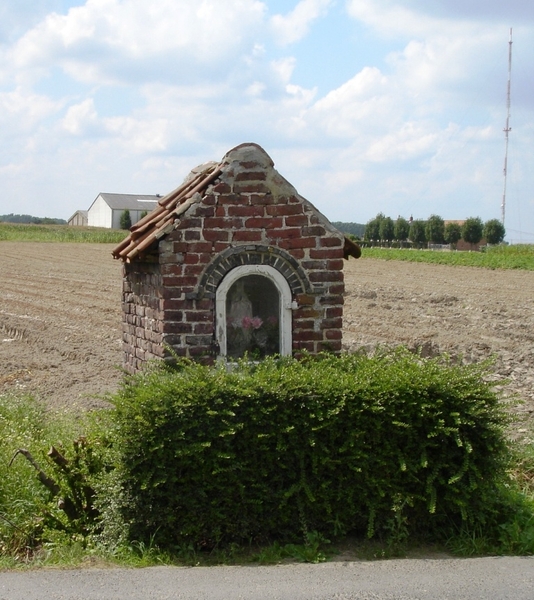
[
  {"x": 11, "y": 218},
  {"x": 434, "y": 230}
]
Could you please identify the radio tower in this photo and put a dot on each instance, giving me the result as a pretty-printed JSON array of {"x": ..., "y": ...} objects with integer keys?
[{"x": 507, "y": 128}]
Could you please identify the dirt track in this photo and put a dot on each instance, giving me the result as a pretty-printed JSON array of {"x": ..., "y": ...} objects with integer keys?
[{"x": 60, "y": 318}]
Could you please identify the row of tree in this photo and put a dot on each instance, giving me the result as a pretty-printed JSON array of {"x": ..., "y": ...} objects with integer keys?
[
  {"x": 12, "y": 218},
  {"x": 434, "y": 230}
]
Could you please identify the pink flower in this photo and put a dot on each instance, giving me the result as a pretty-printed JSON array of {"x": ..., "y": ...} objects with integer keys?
[{"x": 251, "y": 322}]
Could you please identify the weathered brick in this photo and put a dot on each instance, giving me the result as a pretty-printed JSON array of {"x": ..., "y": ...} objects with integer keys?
[
  {"x": 338, "y": 288},
  {"x": 285, "y": 232},
  {"x": 222, "y": 188},
  {"x": 197, "y": 316},
  {"x": 296, "y": 220},
  {"x": 329, "y": 346},
  {"x": 284, "y": 210},
  {"x": 333, "y": 323},
  {"x": 179, "y": 281},
  {"x": 244, "y": 187},
  {"x": 205, "y": 211},
  {"x": 222, "y": 223},
  {"x": 203, "y": 328},
  {"x": 331, "y": 242},
  {"x": 193, "y": 270},
  {"x": 190, "y": 223},
  {"x": 307, "y": 335},
  {"x": 246, "y": 211},
  {"x": 246, "y": 236},
  {"x": 324, "y": 253},
  {"x": 325, "y": 276},
  {"x": 177, "y": 327},
  {"x": 335, "y": 264},
  {"x": 263, "y": 223},
  {"x": 303, "y": 346},
  {"x": 316, "y": 230},
  {"x": 216, "y": 235},
  {"x": 192, "y": 235},
  {"x": 334, "y": 311},
  {"x": 251, "y": 176},
  {"x": 299, "y": 242}
]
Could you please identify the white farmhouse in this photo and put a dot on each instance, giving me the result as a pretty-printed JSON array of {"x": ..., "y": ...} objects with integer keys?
[{"x": 107, "y": 209}]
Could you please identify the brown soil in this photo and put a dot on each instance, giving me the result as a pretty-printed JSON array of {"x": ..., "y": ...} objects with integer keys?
[{"x": 60, "y": 318}]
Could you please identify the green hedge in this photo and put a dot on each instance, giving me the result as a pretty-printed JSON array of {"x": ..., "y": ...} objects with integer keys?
[{"x": 377, "y": 445}]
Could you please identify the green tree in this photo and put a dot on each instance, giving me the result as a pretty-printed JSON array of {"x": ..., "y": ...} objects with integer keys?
[
  {"x": 493, "y": 231},
  {"x": 453, "y": 233},
  {"x": 143, "y": 214},
  {"x": 402, "y": 229},
  {"x": 418, "y": 233},
  {"x": 387, "y": 229},
  {"x": 472, "y": 230},
  {"x": 435, "y": 229},
  {"x": 126, "y": 220},
  {"x": 372, "y": 229}
]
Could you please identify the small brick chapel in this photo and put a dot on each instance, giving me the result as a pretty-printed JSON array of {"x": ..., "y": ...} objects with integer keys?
[{"x": 233, "y": 262}]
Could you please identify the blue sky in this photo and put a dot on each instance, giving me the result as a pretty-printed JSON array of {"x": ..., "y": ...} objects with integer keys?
[{"x": 365, "y": 106}]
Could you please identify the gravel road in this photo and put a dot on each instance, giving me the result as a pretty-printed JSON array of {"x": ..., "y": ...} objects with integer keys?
[{"x": 406, "y": 579}]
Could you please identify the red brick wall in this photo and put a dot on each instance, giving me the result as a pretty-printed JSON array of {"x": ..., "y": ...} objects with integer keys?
[{"x": 249, "y": 215}]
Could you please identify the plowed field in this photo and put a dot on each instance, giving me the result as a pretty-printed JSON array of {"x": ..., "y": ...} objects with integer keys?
[{"x": 60, "y": 318}]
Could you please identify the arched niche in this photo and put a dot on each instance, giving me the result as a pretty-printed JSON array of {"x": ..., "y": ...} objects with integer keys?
[{"x": 253, "y": 313}]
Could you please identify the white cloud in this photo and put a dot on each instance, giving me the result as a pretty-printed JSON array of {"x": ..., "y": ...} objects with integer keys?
[
  {"x": 412, "y": 140},
  {"x": 295, "y": 25},
  {"x": 23, "y": 110},
  {"x": 416, "y": 127},
  {"x": 114, "y": 40},
  {"x": 81, "y": 117}
]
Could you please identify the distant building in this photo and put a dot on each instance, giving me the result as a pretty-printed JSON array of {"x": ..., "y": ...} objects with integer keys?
[
  {"x": 79, "y": 218},
  {"x": 107, "y": 209}
]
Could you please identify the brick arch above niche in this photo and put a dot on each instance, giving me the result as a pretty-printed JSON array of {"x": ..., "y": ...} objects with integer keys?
[{"x": 238, "y": 256}]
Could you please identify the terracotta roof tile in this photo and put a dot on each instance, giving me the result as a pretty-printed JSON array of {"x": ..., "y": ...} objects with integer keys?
[{"x": 165, "y": 217}]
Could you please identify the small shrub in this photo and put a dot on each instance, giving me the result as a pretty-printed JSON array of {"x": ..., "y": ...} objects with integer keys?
[{"x": 389, "y": 445}]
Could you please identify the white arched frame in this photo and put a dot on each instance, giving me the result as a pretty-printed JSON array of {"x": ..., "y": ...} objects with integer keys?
[{"x": 285, "y": 306}]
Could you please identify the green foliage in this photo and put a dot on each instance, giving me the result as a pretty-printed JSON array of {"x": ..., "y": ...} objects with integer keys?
[
  {"x": 45, "y": 495},
  {"x": 11, "y": 218},
  {"x": 472, "y": 230},
  {"x": 452, "y": 233},
  {"x": 418, "y": 232},
  {"x": 498, "y": 257},
  {"x": 386, "y": 445},
  {"x": 355, "y": 229},
  {"x": 59, "y": 233},
  {"x": 387, "y": 229},
  {"x": 494, "y": 231},
  {"x": 402, "y": 229},
  {"x": 126, "y": 220},
  {"x": 372, "y": 228},
  {"x": 435, "y": 229}
]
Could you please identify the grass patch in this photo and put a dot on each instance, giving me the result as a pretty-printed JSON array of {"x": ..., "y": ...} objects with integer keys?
[
  {"x": 15, "y": 232},
  {"x": 519, "y": 256},
  {"x": 415, "y": 439}
]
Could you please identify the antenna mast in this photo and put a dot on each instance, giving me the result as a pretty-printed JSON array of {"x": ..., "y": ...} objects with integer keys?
[{"x": 507, "y": 128}]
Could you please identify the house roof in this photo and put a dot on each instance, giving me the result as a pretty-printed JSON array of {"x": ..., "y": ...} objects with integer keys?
[
  {"x": 130, "y": 201},
  {"x": 165, "y": 216},
  {"x": 79, "y": 212}
]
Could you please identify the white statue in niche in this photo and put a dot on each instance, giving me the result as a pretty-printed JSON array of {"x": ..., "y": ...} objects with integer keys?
[
  {"x": 239, "y": 311},
  {"x": 252, "y": 322}
]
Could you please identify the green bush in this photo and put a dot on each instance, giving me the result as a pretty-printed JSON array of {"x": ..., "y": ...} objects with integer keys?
[
  {"x": 389, "y": 445},
  {"x": 47, "y": 473}
]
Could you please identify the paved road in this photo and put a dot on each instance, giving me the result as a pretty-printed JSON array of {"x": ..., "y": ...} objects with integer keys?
[{"x": 422, "y": 579}]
